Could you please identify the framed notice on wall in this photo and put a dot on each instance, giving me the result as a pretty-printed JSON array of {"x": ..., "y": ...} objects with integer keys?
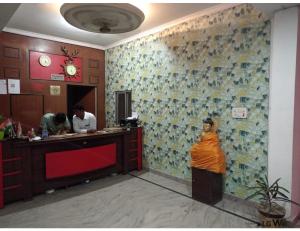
[
  {"x": 54, "y": 90},
  {"x": 44, "y": 66},
  {"x": 3, "y": 87},
  {"x": 13, "y": 86}
]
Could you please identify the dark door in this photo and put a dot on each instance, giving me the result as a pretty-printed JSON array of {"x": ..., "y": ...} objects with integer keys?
[
  {"x": 123, "y": 105},
  {"x": 85, "y": 95}
]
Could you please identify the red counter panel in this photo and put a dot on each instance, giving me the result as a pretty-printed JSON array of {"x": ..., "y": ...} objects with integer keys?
[{"x": 73, "y": 162}]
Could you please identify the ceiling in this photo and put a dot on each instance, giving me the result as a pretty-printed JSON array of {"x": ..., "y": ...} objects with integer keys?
[
  {"x": 45, "y": 21},
  {"x": 6, "y": 12}
]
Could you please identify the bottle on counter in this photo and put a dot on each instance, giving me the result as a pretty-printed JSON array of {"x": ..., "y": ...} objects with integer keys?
[
  {"x": 19, "y": 130},
  {"x": 45, "y": 133},
  {"x": 31, "y": 134}
]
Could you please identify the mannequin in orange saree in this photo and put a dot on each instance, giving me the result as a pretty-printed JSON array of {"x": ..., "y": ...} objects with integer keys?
[{"x": 207, "y": 153}]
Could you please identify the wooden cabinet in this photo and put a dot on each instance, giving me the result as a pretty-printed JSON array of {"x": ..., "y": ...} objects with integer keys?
[
  {"x": 135, "y": 149},
  {"x": 15, "y": 172}
]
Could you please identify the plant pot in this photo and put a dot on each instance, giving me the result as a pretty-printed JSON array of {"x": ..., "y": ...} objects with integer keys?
[
  {"x": 1, "y": 134},
  {"x": 273, "y": 218}
]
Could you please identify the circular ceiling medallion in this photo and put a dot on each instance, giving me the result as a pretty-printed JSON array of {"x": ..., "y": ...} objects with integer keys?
[{"x": 107, "y": 18}]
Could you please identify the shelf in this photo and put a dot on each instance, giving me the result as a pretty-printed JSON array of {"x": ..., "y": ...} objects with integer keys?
[
  {"x": 12, "y": 173},
  {"x": 12, "y": 159},
  {"x": 12, "y": 187},
  {"x": 133, "y": 150}
]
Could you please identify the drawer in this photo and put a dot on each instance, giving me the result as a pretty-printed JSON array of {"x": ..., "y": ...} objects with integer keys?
[
  {"x": 10, "y": 155},
  {"x": 13, "y": 194},
  {"x": 133, "y": 133},
  {"x": 132, "y": 144},
  {"x": 132, "y": 154},
  {"x": 12, "y": 180},
  {"x": 132, "y": 165},
  {"x": 11, "y": 166}
]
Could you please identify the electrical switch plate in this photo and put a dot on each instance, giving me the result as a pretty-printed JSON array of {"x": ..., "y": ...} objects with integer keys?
[{"x": 239, "y": 112}]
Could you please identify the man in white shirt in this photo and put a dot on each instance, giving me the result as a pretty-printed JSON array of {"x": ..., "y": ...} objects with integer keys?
[{"x": 83, "y": 122}]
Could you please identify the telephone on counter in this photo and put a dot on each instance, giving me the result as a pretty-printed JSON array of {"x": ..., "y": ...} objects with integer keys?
[{"x": 129, "y": 122}]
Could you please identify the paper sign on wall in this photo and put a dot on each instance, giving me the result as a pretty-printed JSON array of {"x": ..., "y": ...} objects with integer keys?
[
  {"x": 14, "y": 86},
  {"x": 239, "y": 112},
  {"x": 3, "y": 87}
]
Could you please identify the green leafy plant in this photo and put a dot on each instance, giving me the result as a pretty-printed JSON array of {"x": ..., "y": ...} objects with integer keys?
[
  {"x": 1, "y": 119},
  {"x": 268, "y": 195}
]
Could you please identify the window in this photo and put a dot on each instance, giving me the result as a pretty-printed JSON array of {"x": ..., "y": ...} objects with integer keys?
[{"x": 123, "y": 105}]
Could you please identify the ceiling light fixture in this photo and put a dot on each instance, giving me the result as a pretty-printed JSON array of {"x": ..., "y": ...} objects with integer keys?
[{"x": 106, "y": 18}]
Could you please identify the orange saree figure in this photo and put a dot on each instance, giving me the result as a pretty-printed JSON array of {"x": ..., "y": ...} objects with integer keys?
[{"x": 207, "y": 153}]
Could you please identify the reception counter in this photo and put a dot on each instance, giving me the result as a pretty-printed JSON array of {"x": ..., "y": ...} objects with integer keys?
[{"x": 30, "y": 168}]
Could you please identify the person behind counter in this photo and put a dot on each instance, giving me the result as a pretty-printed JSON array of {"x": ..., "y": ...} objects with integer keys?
[
  {"x": 55, "y": 124},
  {"x": 83, "y": 122}
]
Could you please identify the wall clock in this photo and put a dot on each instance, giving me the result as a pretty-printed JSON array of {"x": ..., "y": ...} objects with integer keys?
[
  {"x": 70, "y": 69},
  {"x": 45, "y": 60}
]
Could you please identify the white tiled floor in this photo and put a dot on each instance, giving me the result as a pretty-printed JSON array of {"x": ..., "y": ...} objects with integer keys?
[
  {"x": 229, "y": 203},
  {"x": 119, "y": 201}
]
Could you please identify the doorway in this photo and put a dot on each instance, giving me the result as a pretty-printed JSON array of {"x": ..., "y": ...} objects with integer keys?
[{"x": 84, "y": 95}]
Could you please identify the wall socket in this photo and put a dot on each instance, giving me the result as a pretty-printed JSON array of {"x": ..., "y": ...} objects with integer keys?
[{"x": 239, "y": 112}]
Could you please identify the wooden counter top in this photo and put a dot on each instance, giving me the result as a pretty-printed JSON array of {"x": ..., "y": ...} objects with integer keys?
[{"x": 67, "y": 138}]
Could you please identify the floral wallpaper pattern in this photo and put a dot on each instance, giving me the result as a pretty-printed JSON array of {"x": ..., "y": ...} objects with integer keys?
[{"x": 197, "y": 69}]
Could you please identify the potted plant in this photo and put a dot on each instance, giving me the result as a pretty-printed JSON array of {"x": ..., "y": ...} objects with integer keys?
[
  {"x": 271, "y": 213},
  {"x": 1, "y": 128}
]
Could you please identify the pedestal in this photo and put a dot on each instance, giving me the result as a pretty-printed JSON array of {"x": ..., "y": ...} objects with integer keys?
[{"x": 207, "y": 187}]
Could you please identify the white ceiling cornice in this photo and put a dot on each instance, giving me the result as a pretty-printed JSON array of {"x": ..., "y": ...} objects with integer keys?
[
  {"x": 53, "y": 38},
  {"x": 208, "y": 11}
]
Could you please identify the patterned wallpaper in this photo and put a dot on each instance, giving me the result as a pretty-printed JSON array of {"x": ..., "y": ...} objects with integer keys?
[{"x": 199, "y": 68}]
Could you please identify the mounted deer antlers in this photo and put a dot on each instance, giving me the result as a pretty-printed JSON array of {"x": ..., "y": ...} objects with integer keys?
[{"x": 70, "y": 56}]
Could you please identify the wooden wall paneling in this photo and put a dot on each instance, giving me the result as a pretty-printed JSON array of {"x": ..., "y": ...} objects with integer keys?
[
  {"x": 93, "y": 63},
  {"x": 55, "y": 103},
  {"x": 11, "y": 52},
  {"x": 11, "y": 73},
  {"x": 94, "y": 79},
  {"x": 34, "y": 87},
  {"x": 1, "y": 49},
  {"x": 28, "y": 109},
  {"x": 93, "y": 76},
  {"x": 16, "y": 49},
  {"x": 5, "y": 105},
  {"x": 1, "y": 72}
]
